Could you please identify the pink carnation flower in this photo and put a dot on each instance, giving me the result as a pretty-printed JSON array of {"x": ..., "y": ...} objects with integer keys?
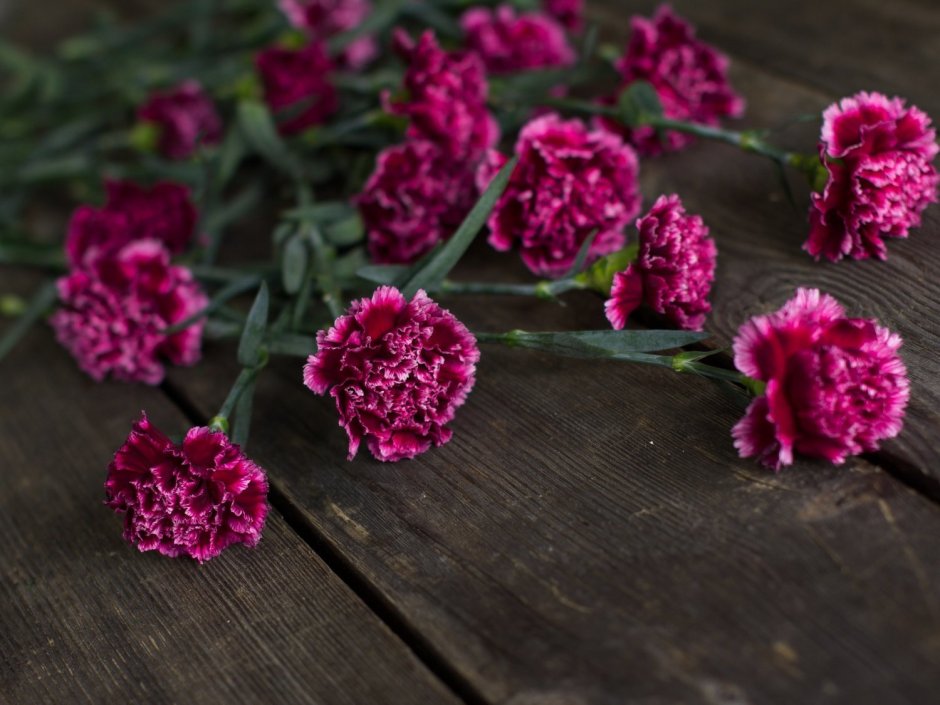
[
  {"x": 297, "y": 86},
  {"x": 673, "y": 271},
  {"x": 570, "y": 182},
  {"x": 164, "y": 212},
  {"x": 507, "y": 42},
  {"x": 690, "y": 77},
  {"x": 194, "y": 499},
  {"x": 115, "y": 311},
  {"x": 397, "y": 370},
  {"x": 446, "y": 99},
  {"x": 836, "y": 386},
  {"x": 323, "y": 19},
  {"x": 413, "y": 200},
  {"x": 879, "y": 155},
  {"x": 186, "y": 118},
  {"x": 569, "y": 12}
]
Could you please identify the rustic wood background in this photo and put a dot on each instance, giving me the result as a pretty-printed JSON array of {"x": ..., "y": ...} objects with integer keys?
[{"x": 589, "y": 537}]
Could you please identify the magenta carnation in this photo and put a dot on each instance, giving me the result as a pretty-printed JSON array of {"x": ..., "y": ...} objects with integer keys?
[
  {"x": 194, "y": 499},
  {"x": 445, "y": 99},
  {"x": 673, "y": 270},
  {"x": 115, "y": 311},
  {"x": 297, "y": 86},
  {"x": 569, "y": 183},
  {"x": 397, "y": 370},
  {"x": 569, "y": 12},
  {"x": 186, "y": 118},
  {"x": 879, "y": 155},
  {"x": 164, "y": 212},
  {"x": 836, "y": 386},
  {"x": 413, "y": 200},
  {"x": 690, "y": 77},
  {"x": 323, "y": 19},
  {"x": 508, "y": 42}
]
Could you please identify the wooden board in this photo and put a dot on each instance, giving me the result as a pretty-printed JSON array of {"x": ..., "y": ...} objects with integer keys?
[{"x": 86, "y": 618}]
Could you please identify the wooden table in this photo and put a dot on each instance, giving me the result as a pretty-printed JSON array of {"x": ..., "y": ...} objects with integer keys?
[{"x": 589, "y": 536}]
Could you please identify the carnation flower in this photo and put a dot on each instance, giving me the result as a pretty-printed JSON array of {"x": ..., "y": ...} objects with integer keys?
[
  {"x": 879, "y": 155},
  {"x": 836, "y": 386},
  {"x": 690, "y": 78},
  {"x": 413, "y": 200},
  {"x": 569, "y": 183},
  {"x": 164, "y": 212},
  {"x": 323, "y": 19},
  {"x": 116, "y": 309},
  {"x": 193, "y": 499},
  {"x": 297, "y": 86},
  {"x": 445, "y": 99},
  {"x": 673, "y": 271},
  {"x": 186, "y": 118},
  {"x": 569, "y": 12},
  {"x": 398, "y": 371},
  {"x": 507, "y": 42}
]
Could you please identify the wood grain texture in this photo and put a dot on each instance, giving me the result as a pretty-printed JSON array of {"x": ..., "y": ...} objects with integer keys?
[
  {"x": 760, "y": 234},
  {"x": 589, "y": 536},
  {"x": 84, "y": 618}
]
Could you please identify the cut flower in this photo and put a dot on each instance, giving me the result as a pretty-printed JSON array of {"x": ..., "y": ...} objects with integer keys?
[
  {"x": 673, "y": 271},
  {"x": 193, "y": 499},
  {"x": 879, "y": 157},
  {"x": 397, "y": 370},
  {"x": 835, "y": 386}
]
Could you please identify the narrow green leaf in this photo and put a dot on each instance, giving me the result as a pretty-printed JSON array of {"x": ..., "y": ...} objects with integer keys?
[
  {"x": 41, "y": 302},
  {"x": 378, "y": 20},
  {"x": 441, "y": 261},
  {"x": 582, "y": 256},
  {"x": 243, "y": 410},
  {"x": 382, "y": 273},
  {"x": 604, "y": 343},
  {"x": 294, "y": 263},
  {"x": 639, "y": 104},
  {"x": 249, "y": 347},
  {"x": 230, "y": 156},
  {"x": 346, "y": 232},
  {"x": 260, "y": 132},
  {"x": 222, "y": 297},
  {"x": 292, "y": 345}
]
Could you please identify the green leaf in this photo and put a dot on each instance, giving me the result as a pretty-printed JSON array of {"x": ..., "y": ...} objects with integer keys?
[
  {"x": 383, "y": 273},
  {"x": 346, "y": 232},
  {"x": 41, "y": 302},
  {"x": 600, "y": 276},
  {"x": 249, "y": 347},
  {"x": 259, "y": 130},
  {"x": 230, "y": 156},
  {"x": 294, "y": 263},
  {"x": 292, "y": 345},
  {"x": 639, "y": 104},
  {"x": 602, "y": 343},
  {"x": 582, "y": 255},
  {"x": 437, "y": 266},
  {"x": 243, "y": 410},
  {"x": 222, "y": 297}
]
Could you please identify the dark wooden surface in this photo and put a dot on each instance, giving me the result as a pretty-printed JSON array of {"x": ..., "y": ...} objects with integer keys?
[{"x": 589, "y": 536}]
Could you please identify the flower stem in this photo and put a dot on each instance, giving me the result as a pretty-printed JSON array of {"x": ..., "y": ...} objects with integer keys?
[
  {"x": 542, "y": 290},
  {"x": 245, "y": 380},
  {"x": 748, "y": 141}
]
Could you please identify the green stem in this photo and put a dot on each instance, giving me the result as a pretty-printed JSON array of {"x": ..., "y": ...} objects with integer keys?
[
  {"x": 747, "y": 141},
  {"x": 543, "y": 289},
  {"x": 245, "y": 380}
]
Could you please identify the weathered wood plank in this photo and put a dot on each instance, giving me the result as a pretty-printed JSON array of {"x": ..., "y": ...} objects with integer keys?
[
  {"x": 590, "y": 537},
  {"x": 760, "y": 235},
  {"x": 85, "y": 618}
]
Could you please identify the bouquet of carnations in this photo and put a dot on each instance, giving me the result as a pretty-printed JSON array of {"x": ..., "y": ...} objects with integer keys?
[{"x": 388, "y": 135}]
